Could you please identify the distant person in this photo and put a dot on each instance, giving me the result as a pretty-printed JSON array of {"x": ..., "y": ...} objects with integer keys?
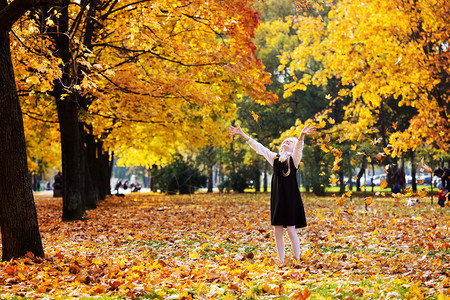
[
  {"x": 58, "y": 185},
  {"x": 444, "y": 174},
  {"x": 401, "y": 178},
  {"x": 135, "y": 187},
  {"x": 117, "y": 186},
  {"x": 441, "y": 193},
  {"x": 286, "y": 206}
]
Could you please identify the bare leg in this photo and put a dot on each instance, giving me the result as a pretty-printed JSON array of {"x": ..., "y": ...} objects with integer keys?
[
  {"x": 279, "y": 241},
  {"x": 294, "y": 241}
]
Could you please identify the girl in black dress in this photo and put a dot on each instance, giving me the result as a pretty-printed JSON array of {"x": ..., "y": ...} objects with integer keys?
[{"x": 286, "y": 206}]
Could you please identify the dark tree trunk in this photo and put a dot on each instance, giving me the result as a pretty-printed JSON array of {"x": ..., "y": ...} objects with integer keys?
[
  {"x": 71, "y": 160},
  {"x": 257, "y": 179},
  {"x": 18, "y": 218},
  {"x": 265, "y": 177},
  {"x": 91, "y": 152},
  {"x": 413, "y": 173},
  {"x": 90, "y": 185},
  {"x": 152, "y": 178},
  {"x": 104, "y": 164},
  {"x": 341, "y": 181},
  {"x": 71, "y": 147},
  {"x": 361, "y": 173},
  {"x": 210, "y": 178}
]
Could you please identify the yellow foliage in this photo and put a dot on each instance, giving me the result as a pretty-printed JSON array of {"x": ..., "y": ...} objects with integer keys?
[
  {"x": 377, "y": 48},
  {"x": 160, "y": 79}
]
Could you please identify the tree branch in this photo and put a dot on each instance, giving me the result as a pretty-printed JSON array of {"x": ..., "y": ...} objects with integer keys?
[{"x": 14, "y": 11}]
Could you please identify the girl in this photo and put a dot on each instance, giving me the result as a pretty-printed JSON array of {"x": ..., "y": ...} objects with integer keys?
[{"x": 286, "y": 206}]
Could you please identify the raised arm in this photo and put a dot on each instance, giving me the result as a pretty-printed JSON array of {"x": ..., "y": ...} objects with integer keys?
[
  {"x": 298, "y": 149},
  {"x": 258, "y": 147}
]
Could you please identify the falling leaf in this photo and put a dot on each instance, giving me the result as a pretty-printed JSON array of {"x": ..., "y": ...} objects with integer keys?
[
  {"x": 368, "y": 200},
  {"x": 353, "y": 147},
  {"x": 255, "y": 116},
  {"x": 325, "y": 148},
  {"x": 333, "y": 180},
  {"x": 380, "y": 157},
  {"x": 321, "y": 124},
  {"x": 383, "y": 184}
]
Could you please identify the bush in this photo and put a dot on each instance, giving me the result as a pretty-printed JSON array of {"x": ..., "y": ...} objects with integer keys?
[
  {"x": 179, "y": 176},
  {"x": 237, "y": 181},
  {"x": 315, "y": 163}
]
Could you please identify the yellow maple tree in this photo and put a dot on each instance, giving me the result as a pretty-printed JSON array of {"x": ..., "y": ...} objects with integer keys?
[{"x": 381, "y": 50}]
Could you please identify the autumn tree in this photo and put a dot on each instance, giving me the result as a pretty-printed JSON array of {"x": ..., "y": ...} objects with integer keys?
[
  {"x": 266, "y": 122},
  {"x": 382, "y": 51},
  {"x": 18, "y": 219},
  {"x": 160, "y": 77}
]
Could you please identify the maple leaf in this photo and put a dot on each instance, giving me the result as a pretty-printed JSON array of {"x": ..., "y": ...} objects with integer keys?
[
  {"x": 333, "y": 180},
  {"x": 380, "y": 157},
  {"x": 325, "y": 148},
  {"x": 383, "y": 184},
  {"x": 300, "y": 295}
]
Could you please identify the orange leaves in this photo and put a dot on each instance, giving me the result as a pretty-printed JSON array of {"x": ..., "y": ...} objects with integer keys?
[
  {"x": 300, "y": 295},
  {"x": 200, "y": 247}
]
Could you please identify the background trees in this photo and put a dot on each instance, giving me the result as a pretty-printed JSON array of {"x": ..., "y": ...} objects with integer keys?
[
  {"x": 160, "y": 78},
  {"x": 382, "y": 53}
]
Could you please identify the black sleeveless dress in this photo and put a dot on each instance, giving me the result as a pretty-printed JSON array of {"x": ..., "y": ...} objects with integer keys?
[{"x": 286, "y": 206}]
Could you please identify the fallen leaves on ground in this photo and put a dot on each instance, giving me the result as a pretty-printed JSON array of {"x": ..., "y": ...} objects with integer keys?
[{"x": 221, "y": 246}]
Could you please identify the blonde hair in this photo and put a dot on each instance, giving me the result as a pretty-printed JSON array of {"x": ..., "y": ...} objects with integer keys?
[{"x": 294, "y": 140}]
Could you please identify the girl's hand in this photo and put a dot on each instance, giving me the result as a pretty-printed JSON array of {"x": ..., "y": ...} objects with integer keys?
[
  {"x": 307, "y": 130},
  {"x": 235, "y": 130}
]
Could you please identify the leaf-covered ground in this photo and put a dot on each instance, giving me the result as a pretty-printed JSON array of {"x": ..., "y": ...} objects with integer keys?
[{"x": 221, "y": 246}]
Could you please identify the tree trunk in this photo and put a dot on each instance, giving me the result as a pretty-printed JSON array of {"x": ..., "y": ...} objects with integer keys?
[
  {"x": 73, "y": 192},
  {"x": 257, "y": 176},
  {"x": 18, "y": 218},
  {"x": 361, "y": 172},
  {"x": 210, "y": 178},
  {"x": 265, "y": 179},
  {"x": 91, "y": 153},
  {"x": 105, "y": 163},
  {"x": 341, "y": 182},
  {"x": 71, "y": 160},
  {"x": 90, "y": 185},
  {"x": 413, "y": 173}
]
